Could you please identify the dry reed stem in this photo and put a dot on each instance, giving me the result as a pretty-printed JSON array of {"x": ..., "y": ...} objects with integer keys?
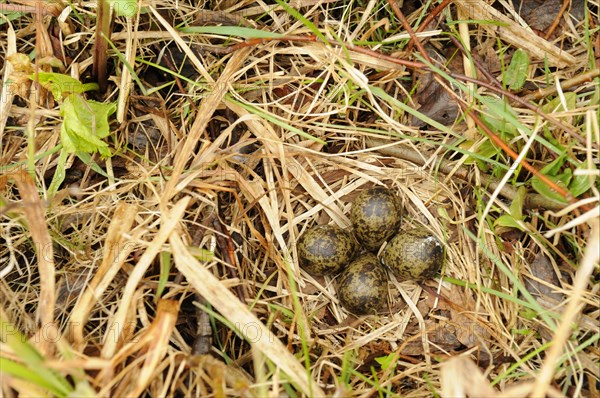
[{"x": 131, "y": 44}]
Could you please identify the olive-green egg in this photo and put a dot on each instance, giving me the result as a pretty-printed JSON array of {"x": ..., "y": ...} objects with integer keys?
[
  {"x": 413, "y": 255},
  {"x": 326, "y": 249},
  {"x": 376, "y": 214},
  {"x": 362, "y": 288}
]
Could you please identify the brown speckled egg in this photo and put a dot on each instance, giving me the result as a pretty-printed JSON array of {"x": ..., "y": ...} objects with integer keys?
[
  {"x": 362, "y": 288},
  {"x": 376, "y": 215},
  {"x": 326, "y": 249},
  {"x": 413, "y": 255}
]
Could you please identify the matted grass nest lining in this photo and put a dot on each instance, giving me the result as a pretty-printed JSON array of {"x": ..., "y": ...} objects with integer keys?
[{"x": 170, "y": 268}]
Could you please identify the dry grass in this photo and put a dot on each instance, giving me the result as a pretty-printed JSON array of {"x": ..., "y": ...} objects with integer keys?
[{"x": 175, "y": 273}]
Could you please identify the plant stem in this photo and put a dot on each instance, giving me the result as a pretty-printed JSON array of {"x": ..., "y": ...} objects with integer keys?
[{"x": 101, "y": 45}]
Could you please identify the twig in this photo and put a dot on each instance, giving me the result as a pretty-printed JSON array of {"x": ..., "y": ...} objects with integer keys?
[
  {"x": 434, "y": 13},
  {"x": 409, "y": 29},
  {"x": 378, "y": 55},
  {"x": 566, "y": 84},
  {"x": 227, "y": 249},
  {"x": 532, "y": 201},
  {"x": 556, "y": 21}
]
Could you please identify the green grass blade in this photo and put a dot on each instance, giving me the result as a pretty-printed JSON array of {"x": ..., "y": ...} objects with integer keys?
[
  {"x": 247, "y": 33},
  {"x": 301, "y": 18},
  {"x": 488, "y": 290},
  {"x": 128, "y": 66},
  {"x": 517, "y": 364},
  {"x": 301, "y": 324},
  {"x": 59, "y": 173},
  {"x": 165, "y": 269},
  {"x": 33, "y": 360},
  {"x": 22, "y": 372}
]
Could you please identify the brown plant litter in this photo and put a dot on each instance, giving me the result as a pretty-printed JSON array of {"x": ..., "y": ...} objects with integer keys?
[{"x": 171, "y": 269}]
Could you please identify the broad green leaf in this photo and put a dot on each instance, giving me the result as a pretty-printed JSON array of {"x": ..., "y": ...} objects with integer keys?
[
  {"x": 22, "y": 372},
  {"x": 543, "y": 189},
  {"x": 507, "y": 221},
  {"x": 247, "y": 33},
  {"x": 516, "y": 74},
  {"x": 61, "y": 85},
  {"x": 577, "y": 185},
  {"x": 33, "y": 367},
  {"x": 557, "y": 105},
  {"x": 85, "y": 123},
  {"x": 516, "y": 207},
  {"x": 516, "y": 212},
  {"x": 565, "y": 177},
  {"x": 486, "y": 150},
  {"x": 201, "y": 254},
  {"x": 124, "y": 8},
  {"x": 581, "y": 183},
  {"x": 554, "y": 167}
]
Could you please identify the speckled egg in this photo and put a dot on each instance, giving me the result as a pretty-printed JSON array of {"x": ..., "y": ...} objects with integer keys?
[
  {"x": 326, "y": 249},
  {"x": 376, "y": 215},
  {"x": 362, "y": 288},
  {"x": 413, "y": 255}
]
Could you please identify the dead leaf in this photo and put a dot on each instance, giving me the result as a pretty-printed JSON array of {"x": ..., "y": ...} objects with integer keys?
[{"x": 546, "y": 281}]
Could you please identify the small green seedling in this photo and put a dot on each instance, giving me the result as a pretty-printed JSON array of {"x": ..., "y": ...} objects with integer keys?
[
  {"x": 512, "y": 219},
  {"x": 85, "y": 122},
  {"x": 516, "y": 74}
]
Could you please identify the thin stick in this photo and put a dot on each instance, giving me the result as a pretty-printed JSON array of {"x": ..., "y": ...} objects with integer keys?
[
  {"x": 480, "y": 67},
  {"x": 432, "y": 15},
  {"x": 409, "y": 29},
  {"x": 428, "y": 19},
  {"x": 566, "y": 84},
  {"x": 556, "y": 21}
]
